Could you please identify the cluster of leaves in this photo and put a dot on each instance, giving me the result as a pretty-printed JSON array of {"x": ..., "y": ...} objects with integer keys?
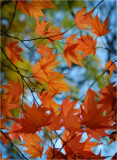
[{"x": 95, "y": 115}]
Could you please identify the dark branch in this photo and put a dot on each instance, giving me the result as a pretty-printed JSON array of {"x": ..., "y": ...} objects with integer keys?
[{"x": 14, "y": 145}]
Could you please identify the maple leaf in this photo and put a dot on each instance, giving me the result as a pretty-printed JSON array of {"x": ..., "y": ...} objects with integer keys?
[
  {"x": 2, "y": 126},
  {"x": 6, "y": 107},
  {"x": 108, "y": 97},
  {"x": 56, "y": 84},
  {"x": 41, "y": 27},
  {"x": 71, "y": 52},
  {"x": 34, "y": 8},
  {"x": 47, "y": 101},
  {"x": 44, "y": 66},
  {"x": 54, "y": 34},
  {"x": 98, "y": 28},
  {"x": 87, "y": 45},
  {"x": 13, "y": 91},
  {"x": 110, "y": 66},
  {"x": 13, "y": 50},
  {"x": 51, "y": 33},
  {"x": 42, "y": 71},
  {"x": 69, "y": 116},
  {"x": 83, "y": 20},
  {"x": 4, "y": 139},
  {"x": 45, "y": 51},
  {"x": 56, "y": 121},
  {"x": 89, "y": 111},
  {"x": 89, "y": 103},
  {"x": 34, "y": 148},
  {"x": 54, "y": 153},
  {"x": 16, "y": 134},
  {"x": 74, "y": 148},
  {"x": 34, "y": 118}
]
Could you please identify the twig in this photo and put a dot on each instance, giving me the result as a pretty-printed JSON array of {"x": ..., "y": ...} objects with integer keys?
[
  {"x": 64, "y": 145},
  {"x": 107, "y": 48},
  {"x": 14, "y": 145},
  {"x": 8, "y": 67},
  {"x": 22, "y": 77},
  {"x": 102, "y": 74},
  {"x": 94, "y": 8},
  {"x": 12, "y": 17}
]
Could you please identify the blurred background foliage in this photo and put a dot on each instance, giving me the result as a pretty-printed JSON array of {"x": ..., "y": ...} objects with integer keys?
[{"x": 79, "y": 79}]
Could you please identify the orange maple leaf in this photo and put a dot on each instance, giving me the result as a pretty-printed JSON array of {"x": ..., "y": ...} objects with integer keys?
[
  {"x": 34, "y": 8},
  {"x": 13, "y": 91},
  {"x": 74, "y": 148},
  {"x": 51, "y": 33},
  {"x": 42, "y": 71},
  {"x": 13, "y": 51},
  {"x": 34, "y": 118},
  {"x": 47, "y": 101},
  {"x": 54, "y": 34},
  {"x": 45, "y": 65},
  {"x": 90, "y": 103},
  {"x": 87, "y": 44},
  {"x": 98, "y": 28},
  {"x": 69, "y": 116},
  {"x": 54, "y": 153},
  {"x": 83, "y": 21},
  {"x": 2, "y": 126},
  {"x": 71, "y": 51},
  {"x": 56, "y": 121},
  {"x": 108, "y": 97},
  {"x": 110, "y": 66},
  {"x": 16, "y": 134},
  {"x": 89, "y": 111},
  {"x": 43, "y": 50},
  {"x": 4, "y": 139},
  {"x": 41, "y": 27},
  {"x": 6, "y": 107},
  {"x": 34, "y": 148},
  {"x": 56, "y": 83}
]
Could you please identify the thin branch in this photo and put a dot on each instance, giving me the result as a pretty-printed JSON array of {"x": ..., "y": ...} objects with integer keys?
[
  {"x": 22, "y": 77},
  {"x": 107, "y": 48},
  {"x": 14, "y": 145},
  {"x": 64, "y": 145},
  {"x": 12, "y": 17},
  {"x": 8, "y": 67},
  {"x": 94, "y": 8},
  {"x": 33, "y": 39},
  {"x": 102, "y": 74}
]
